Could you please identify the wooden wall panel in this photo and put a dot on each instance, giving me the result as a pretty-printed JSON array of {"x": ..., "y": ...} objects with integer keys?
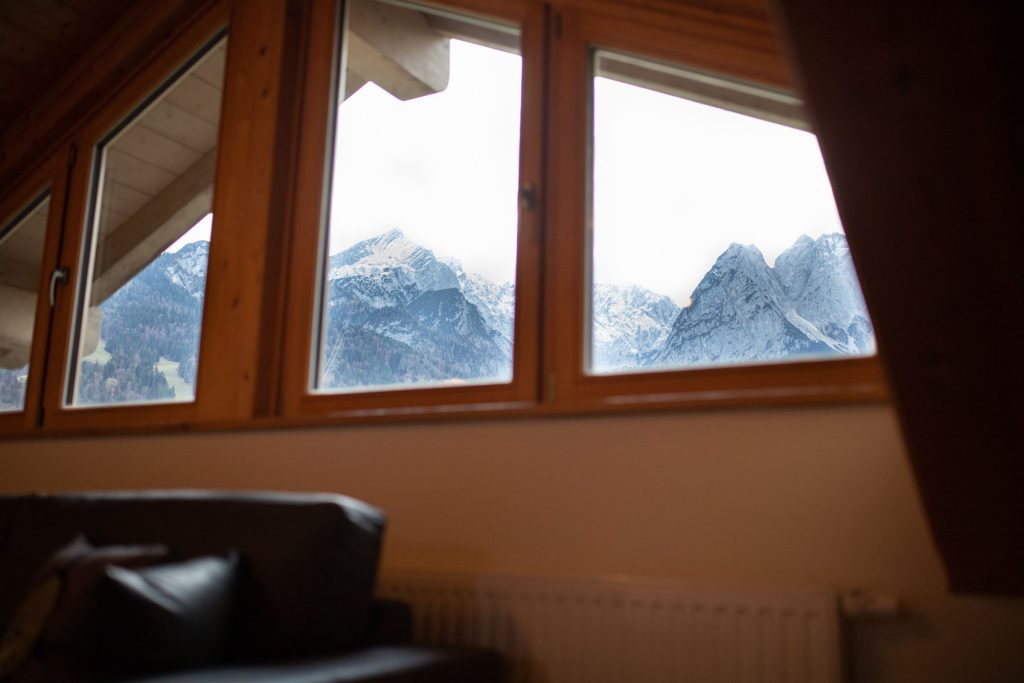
[{"x": 51, "y": 107}]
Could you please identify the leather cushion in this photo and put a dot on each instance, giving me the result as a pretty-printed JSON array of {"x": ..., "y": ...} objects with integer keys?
[
  {"x": 130, "y": 621},
  {"x": 63, "y": 593},
  {"x": 81, "y": 566},
  {"x": 169, "y": 616}
]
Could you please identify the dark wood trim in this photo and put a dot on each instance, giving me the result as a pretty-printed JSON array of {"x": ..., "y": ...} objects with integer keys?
[
  {"x": 738, "y": 46},
  {"x": 141, "y": 34}
]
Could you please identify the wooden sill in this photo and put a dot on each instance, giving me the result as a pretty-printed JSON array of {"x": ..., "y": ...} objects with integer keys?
[{"x": 870, "y": 389}]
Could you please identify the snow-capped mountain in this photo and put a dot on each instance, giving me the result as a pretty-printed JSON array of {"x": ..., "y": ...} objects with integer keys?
[
  {"x": 496, "y": 303},
  {"x": 820, "y": 284},
  {"x": 393, "y": 258},
  {"x": 630, "y": 324},
  {"x": 396, "y": 314},
  {"x": 809, "y": 304},
  {"x": 187, "y": 267},
  {"x": 154, "y": 316}
]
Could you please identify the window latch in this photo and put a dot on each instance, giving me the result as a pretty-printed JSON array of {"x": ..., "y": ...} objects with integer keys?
[
  {"x": 59, "y": 275},
  {"x": 527, "y": 197}
]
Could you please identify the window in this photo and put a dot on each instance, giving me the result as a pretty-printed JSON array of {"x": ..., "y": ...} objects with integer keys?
[
  {"x": 415, "y": 214},
  {"x": 627, "y": 325},
  {"x": 148, "y": 244},
  {"x": 418, "y": 285},
  {"x": 21, "y": 255},
  {"x": 467, "y": 207},
  {"x": 716, "y": 240}
]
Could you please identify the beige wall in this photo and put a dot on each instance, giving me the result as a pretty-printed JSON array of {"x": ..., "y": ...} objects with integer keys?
[{"x": 817, "y": 496}]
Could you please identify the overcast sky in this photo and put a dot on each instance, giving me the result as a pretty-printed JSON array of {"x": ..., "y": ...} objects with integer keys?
[
  {"x": 443, "y": 168},
  {"x": 675, "y": 182}
]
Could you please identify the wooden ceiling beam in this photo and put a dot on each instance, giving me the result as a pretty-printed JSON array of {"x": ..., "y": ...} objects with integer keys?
[
  {"x": 397, "y": 49},
  {"x": 154, "y": 227}
]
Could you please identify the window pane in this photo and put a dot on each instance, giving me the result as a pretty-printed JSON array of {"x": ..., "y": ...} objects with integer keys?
[
  {"x": 716, "y": 238},
  {"x": 21, "y": 253},
  {"x": 138, "y": 338},
  {"x": 420, "y": 240}
]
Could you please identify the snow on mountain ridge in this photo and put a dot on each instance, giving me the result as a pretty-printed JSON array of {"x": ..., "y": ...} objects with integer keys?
[
  {"x": 808, "y": 303},
  {"x": 629, "y": 324},
  {"x": 496, "y": 303},
  {"x": 399, "y": 315},
  {"x": 745, "y": 310},
  {"x": 186, "y": 268},
  {"x": 822, "y": 288},
  {"x": 393, "y": 252}
]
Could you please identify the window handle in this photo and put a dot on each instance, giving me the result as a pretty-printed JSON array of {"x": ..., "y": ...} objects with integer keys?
[
  {"x": 527, "y": 197},
  {"x": 59, "y": 275}
]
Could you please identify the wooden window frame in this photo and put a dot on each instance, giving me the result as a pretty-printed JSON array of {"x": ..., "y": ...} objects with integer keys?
[
  {"x": 47, "y": 179},
  {"x": 82, "y": 195},
  {"x": 263, "y": 276},
  {"x": 699, "y": 43},
  {"x": 306, "y": 257}
]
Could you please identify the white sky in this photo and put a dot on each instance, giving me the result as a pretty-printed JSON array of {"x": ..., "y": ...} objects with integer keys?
[
  {"x": 675, "y": 182},
  {"x": 198, "y": 232},
  {"x": 443, "y": 168}
]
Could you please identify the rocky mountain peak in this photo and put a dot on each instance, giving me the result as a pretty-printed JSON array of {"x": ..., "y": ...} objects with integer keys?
[
  {"x": 394, "y": 256},
  {"x": 821, "y": 287},
  {"x": 629, "y": 324},
  {"x": 745, "y": 311},
  {"x": 187, "y": 267},
  {"x": 399, "y": 314}
]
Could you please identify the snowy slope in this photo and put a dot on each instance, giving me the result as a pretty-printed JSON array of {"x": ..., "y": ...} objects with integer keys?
[{"x": 809, "y": 304}]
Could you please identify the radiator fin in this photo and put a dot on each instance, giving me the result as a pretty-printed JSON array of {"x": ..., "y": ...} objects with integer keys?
[{"x": 616, "y": 631}]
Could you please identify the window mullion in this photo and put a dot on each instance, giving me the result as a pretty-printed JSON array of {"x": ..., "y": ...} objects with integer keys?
[
  {"x": 235, "y": 328},
  {"x": 564, "y": 266}
]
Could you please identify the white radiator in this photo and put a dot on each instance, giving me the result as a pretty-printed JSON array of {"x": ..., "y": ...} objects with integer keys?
[{"x": 620, "y": 631}]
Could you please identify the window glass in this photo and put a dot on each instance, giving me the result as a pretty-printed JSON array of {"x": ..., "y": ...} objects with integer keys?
[
  {"x": 147, "y": 244},
  {"x": 715, "y": 236},
  {"x": 21, "y": 253},
  {"x": 420, "y": 233}
]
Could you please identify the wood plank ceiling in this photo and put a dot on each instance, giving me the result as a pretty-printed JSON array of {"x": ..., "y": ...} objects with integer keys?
[
  {"x": 41, "y": 39},
  {"x": 158, "y": 176}
]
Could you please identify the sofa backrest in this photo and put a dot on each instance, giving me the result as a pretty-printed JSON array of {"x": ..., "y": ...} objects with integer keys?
[
  {"x": 309, "y": 561},
  {"x": 8, "y": 506}
]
